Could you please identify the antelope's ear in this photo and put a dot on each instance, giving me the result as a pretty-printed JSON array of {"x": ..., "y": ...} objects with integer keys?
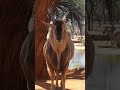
[
  {"x": 47, "y": 24},
  {"x": 64, "y": 18}
]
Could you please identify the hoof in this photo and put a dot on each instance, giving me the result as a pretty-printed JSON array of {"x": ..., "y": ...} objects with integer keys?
[
  {"x": 56, "y": 88},
  {"x": 51, "y": 88},
  {"x": 61, "y": 85}
]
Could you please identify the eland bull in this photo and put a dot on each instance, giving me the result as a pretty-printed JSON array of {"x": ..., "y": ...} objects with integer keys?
[{"x": 58, "y": 51}]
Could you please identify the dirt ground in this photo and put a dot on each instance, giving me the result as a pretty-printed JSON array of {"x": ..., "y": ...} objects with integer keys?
[{"x": 75, "y": 81}]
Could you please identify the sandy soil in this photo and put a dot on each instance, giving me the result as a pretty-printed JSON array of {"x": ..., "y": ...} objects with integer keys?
[
  {"x": 71, "y": 84},
  {"x": 75, "y": 81}
]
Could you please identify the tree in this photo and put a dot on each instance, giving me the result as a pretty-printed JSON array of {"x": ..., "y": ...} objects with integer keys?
[
  {"x": 75, "y": 12},
  {"x": 41, "y": 13}
]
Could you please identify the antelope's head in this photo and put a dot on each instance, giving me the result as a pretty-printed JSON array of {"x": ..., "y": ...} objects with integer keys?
[{"x": 58, "y": 28}]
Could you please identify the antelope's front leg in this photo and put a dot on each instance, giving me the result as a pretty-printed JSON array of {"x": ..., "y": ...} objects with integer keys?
[
  {"x": 63, "y": 78},
  {"x": 52, "y": 82},
  {"x": 52, "y": 76},
  {"x": 57, "y": 80}
]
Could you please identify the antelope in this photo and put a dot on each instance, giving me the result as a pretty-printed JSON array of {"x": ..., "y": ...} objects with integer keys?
[{"x": 58, "y": 50}]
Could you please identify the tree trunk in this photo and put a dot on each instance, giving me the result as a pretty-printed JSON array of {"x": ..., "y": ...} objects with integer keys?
[
  {"x": 40, "y": 36},
  {"x": 14, "y": 17}
]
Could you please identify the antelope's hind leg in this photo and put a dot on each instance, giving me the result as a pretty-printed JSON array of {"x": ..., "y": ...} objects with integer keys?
[{"x": 52, "y": 75}]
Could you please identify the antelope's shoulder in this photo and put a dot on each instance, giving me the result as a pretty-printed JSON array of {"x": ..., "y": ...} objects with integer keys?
[{"x": 47, "y": 47}]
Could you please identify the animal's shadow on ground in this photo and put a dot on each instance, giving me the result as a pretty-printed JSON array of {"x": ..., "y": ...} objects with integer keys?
[
  {"x": 76, "y": 74},
  {"x": 43, "y": 84},
  {"x": 46, "y": 85}
]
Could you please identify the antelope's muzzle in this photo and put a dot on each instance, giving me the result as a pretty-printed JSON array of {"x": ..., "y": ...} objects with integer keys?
[{"x": 59, "y": 37}]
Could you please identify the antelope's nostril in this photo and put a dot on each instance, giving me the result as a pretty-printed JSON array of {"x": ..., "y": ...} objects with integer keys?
[{"x": 59, "y": 40}]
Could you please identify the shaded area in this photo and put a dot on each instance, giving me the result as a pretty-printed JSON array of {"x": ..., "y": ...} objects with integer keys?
[{"x": 14, "y": 18}]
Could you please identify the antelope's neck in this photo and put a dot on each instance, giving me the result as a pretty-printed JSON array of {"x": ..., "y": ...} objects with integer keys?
[{"x": 59, "y": 47}]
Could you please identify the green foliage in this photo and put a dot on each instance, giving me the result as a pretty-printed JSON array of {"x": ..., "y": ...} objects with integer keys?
[
  {"x": 75, "y": 10},
  {"x": 79, "y": 3}
]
